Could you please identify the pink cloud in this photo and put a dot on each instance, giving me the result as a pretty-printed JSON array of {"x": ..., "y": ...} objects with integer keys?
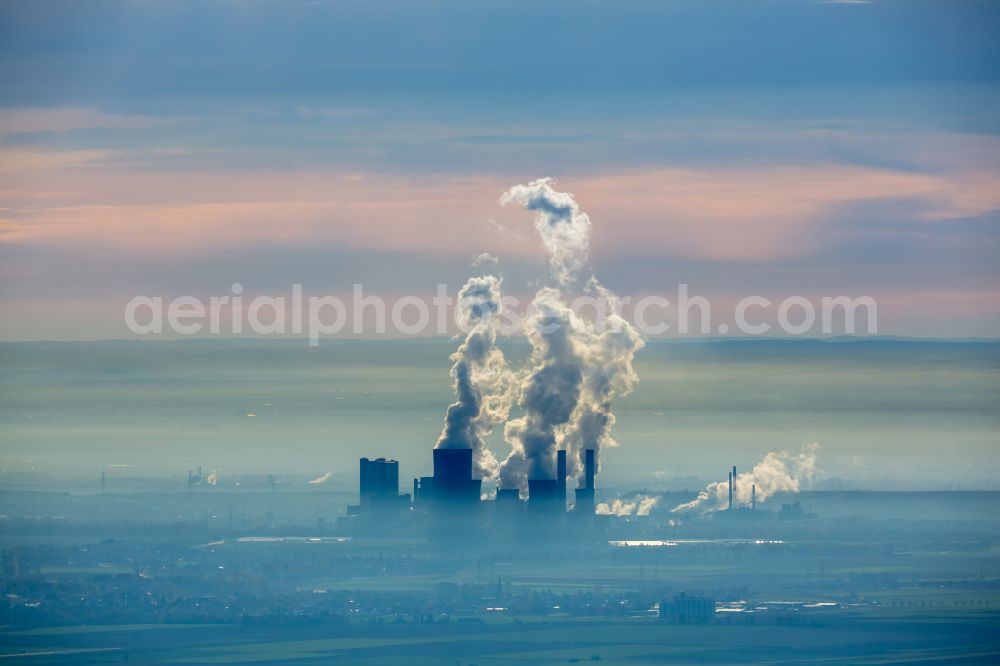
[
  {"x": 762, "y": 214},
  {"x": 739, "y": 214}
]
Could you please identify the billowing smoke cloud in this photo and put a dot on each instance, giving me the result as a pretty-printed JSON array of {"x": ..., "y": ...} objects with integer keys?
[
  {"x": 212, "y": 478},
  {"x": 641, "y": 505},
  {"x": 321, "y": 479},
  {"x": 480, "y": 376},
  {"x": 564, "y": 228},
  {"x": 609, "y": 349},
  {"x": 777, "y": 472},
  {"x": 577, "y": 366},
  {"x": 548, "y": 394}
]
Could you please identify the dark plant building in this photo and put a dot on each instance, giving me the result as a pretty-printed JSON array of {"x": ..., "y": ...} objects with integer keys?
[
  {"x": 685, "y": 609},
  {"x": 379, "y": 481}
]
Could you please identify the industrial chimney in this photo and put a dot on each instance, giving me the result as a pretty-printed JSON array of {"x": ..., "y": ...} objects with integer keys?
[
  {"x": 561, "y": 478},
  {"x": 585, "y": 495},
  {"x": 590, "y": 466}
]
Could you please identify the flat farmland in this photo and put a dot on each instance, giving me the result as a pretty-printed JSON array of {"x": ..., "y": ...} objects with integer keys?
[{"x": 870, "y": 637}]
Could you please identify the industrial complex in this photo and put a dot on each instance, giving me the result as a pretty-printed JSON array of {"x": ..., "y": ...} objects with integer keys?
[{"x": 453, "y": 492}]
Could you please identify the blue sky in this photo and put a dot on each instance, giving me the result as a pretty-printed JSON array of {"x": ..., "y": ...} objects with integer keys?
[{"x": 768, "y": 147}]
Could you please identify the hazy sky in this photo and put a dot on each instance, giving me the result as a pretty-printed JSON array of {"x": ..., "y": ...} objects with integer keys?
[
  {"x": 777, "y": 147},
  {"x": 910, "y": 413}
]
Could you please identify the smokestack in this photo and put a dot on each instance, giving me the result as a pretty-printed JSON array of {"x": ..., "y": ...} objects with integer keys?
[
  {"x": 584, "y": 505},
  {"x": 561, "y": 476},
  {"x": 590, "y": 467},
  {"x": 753, "y": 497},
  {"x": 731, "y": 490},
  {"x": 734, "y": 486}
]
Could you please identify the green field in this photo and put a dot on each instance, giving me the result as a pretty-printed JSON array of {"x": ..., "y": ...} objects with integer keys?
[{"x": 897, "y": 635}]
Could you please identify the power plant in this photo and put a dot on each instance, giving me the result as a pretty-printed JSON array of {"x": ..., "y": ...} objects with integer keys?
[
  {"x": 752, "y": 506},
  {"x": 453, "y": 492},
  {"x": 577, "y": 368}
]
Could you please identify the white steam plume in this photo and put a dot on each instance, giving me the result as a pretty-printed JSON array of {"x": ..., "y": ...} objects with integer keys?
[
  {"x": 778, "y": 472},
  {"x": 564, "y": 228},
  {"x": 577, "y": 367},
  {"x": 480, "y": 376},
  {"x": 641, "y": 505},
  {"x": 321, "y": 479},
  {"x": 548, "y": 393},
  {"x": 609, "y": 346}
]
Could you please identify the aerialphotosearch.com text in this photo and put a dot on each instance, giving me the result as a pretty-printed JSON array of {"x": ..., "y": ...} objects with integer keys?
[{"x": 366, "y": 314}]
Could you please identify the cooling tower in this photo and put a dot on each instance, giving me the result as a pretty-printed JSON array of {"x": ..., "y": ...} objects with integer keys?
[{"x": 453, "y": 480}]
